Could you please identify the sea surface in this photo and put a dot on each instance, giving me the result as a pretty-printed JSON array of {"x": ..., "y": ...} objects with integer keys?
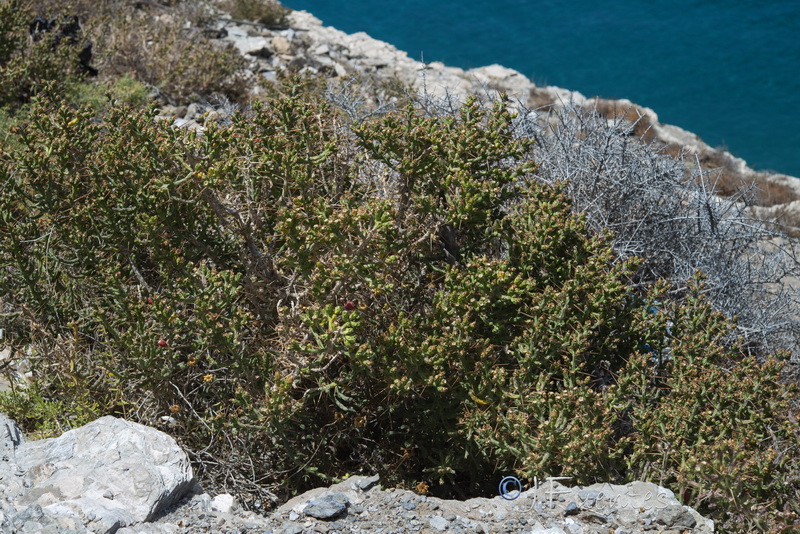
[{"x": 728, "y": 71}]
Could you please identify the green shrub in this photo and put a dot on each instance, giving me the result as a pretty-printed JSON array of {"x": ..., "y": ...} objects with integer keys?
[
  {"x": 27, "y": 67},
  {"x": 183, "y": 64},
  {"x": 13, "y": 18},
  {"x": 128, "y": 43},
  {"x": 399, "y": 296},
  {"x": 713, "y": 432},
  {"x": 95, "y": 95}
]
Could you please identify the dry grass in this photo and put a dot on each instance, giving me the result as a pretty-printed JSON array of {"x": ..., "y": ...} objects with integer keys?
[
  {"x": 719, "y": 169},
  {"x": 771, "y": 193},
  {"x": 636, "y": 115},
  {"x": 540, "y": 99},
  {"x": 160, "y": 44},
  {"x": 267, "y": 12},
  {"x": 183, "y": 64},
  {"x": 729, "y": 180}
]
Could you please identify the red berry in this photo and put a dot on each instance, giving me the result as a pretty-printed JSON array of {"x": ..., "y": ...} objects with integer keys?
[
  {"x": 349, "y": 305},
  {"x": 162, "y": 343},
  {"x": 149, "y": 301}
]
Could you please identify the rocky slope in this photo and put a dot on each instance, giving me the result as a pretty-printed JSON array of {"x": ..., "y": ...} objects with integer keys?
[
  {"x": 116, "y": 476},
  {"x": 309, "y": 47}
]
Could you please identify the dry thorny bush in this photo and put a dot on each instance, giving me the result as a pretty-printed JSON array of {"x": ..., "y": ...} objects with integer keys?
[
  {"x": 670, "y": 216},
  {"x": 267, "y": 12}
]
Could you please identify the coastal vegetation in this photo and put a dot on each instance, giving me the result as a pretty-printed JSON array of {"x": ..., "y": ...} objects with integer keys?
[{"x": 308, "y": 289}]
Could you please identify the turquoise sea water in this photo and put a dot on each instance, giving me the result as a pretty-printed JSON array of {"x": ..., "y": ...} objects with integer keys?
[{"x": 728, "y": 71}]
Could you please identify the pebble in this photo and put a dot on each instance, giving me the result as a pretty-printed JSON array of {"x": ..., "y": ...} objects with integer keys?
[
  {"x": 328, "y": 506},
  {"x": 224, "y": 503},
  {"x": 281, "y": 45},
  {"x": 439, "y": 523},
  {"x": 365, "y": 483},
  {"x": 291, "y": 528},
  {"x": 675, "y": 516},
  {"x": 589, "y": 497}
]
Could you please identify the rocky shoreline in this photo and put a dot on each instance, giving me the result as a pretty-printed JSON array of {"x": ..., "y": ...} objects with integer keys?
[
  {"x": 308, "y": 47},
  {"x": 113, "y": 475}
]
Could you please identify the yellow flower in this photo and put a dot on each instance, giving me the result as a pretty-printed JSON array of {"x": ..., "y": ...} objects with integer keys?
[
  {"x": 174, "y": 408},
  {"x": 208, "y": 378}
]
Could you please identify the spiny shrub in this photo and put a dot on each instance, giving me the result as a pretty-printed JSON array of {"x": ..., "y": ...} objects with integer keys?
[
  {"x": 12, "y": 20},
  {"x": 182, "y": 63},
  {"x": 28, "y": 64},
  {"x": 305, "y": 299},
  {"x": 157, "y": 45},
  {"x": 49, "y": 60}
]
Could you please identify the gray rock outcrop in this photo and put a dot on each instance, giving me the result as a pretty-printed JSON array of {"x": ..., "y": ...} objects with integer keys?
[
  {"x": 116, "y": 476},
  {"x": 551, "y": 507},
  {"x": 105, "y": 475}
]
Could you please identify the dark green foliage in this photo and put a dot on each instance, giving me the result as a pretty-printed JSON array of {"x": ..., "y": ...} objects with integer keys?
[
  {"x": 127, "y": 41},
  {"x": 13, "y": 18},
  {"x": 27, "y": 65},
  {"x": 712, "y": 428},
  {"x": 400, "y": 296}
]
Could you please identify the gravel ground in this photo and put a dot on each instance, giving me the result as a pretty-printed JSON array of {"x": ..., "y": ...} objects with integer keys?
[{"x": 360, "y": 505}]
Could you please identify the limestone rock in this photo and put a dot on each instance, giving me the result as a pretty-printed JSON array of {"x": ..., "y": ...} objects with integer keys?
[
  {"x": 281, "y": 45},
  {"x": 350, "y": 489},
  {"x": 674, "y": 516},
  {"x": 10, "y": 436},
  {"x": 254, "y": 46},
  {"x": 439, "y": 523},
  {"x": 224, "y": 503},
  {"x": 102, "y": 476},
  {"x": 364, "y": 483},
  {"x": 329, "y": 506}
]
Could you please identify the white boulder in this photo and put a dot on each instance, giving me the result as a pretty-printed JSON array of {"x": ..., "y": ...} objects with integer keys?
[{"x": 105, "y": 475}]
